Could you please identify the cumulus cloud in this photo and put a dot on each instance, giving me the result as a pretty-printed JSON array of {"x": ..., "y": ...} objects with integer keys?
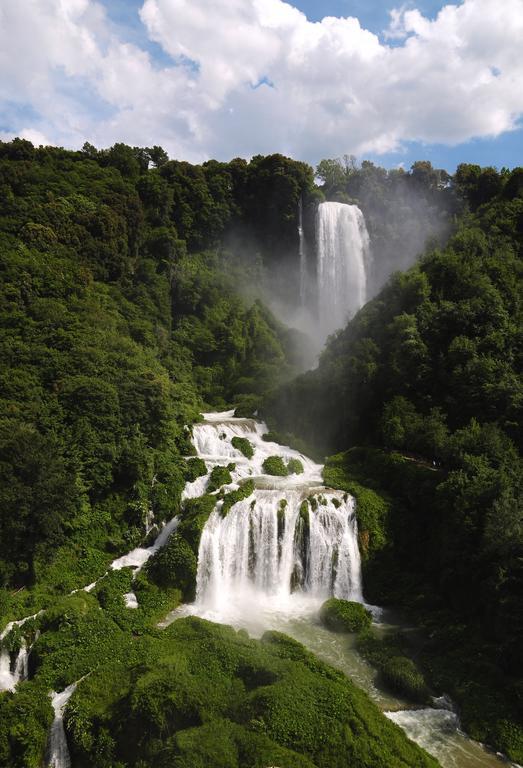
[{"x": 251, "y": 76}]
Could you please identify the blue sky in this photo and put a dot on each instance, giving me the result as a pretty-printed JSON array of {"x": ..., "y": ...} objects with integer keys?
[{"x": 220, "y": 78}]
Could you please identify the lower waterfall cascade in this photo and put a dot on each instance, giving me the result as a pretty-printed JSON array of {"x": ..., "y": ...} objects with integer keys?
[
  {"x": 255, "y": 572},
  {"x": 269, "y": 563}
]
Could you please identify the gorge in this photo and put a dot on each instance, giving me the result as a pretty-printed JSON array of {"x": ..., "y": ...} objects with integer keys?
[{"x": 170, "y": 554}]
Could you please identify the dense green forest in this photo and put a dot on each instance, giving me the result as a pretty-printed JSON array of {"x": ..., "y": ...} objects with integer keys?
[
  {"x": 132, "y": 298},
  {"x": 424, "y": 389}
]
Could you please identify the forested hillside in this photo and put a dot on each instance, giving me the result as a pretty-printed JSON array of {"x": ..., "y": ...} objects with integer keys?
[
  {"x": 132, "y": 298},
  {"x": 120, "y": 318},
  {"x": 427, "y": 381}
]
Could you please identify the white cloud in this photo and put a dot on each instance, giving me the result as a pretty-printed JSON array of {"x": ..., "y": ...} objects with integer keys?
[{"x": 336, "y": 87}]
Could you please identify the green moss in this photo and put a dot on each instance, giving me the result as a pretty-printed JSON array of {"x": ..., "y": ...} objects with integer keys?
[
  {"x": 219, "y": 476},
  {"x": 175, "y": 565},
  {"x": 244, "y": 446},
  {"x": 344, "y": 615},
  {"x": 247, "y": 406},
  {"x": 195, "y": 514},
  {"x": 401, "y": 675},
  {"x": 274, "y": 465},
  {"x": 294, "y": 467},
  {"x": 245, "y": 490},
  {"x": 200, "y": 694},
  {"x": 194, "y": 468},
  {"x": 372, "y": 508},
  {"x": 398, "y": 672}
]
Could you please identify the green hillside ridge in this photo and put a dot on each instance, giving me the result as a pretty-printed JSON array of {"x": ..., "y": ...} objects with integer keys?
[{"x": 427, "y": 381}]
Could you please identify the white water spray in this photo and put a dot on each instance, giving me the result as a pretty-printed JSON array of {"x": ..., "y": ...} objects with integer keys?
[
  {"x": 343, "y": 259},
  {"x": 11, "y": 675},
  {"x": 287, "y": 547}
]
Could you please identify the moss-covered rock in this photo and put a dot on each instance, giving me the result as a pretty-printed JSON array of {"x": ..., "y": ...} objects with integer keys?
[
  {"x": 344, "y": 615},
  {"x": 275, "y": 465},
  {"x": 245, "y": 490},
  {"x": 247, "y": 406},
  {"x": 294, "y": 467},
  {"x": 194, "y": 468},
  {"x": 398, "y": 672},
  {"x": 219, "y": 476},
  {"x": 401, "y": 675},
  {"x": 244, "y": 446},
  {"x": 175, "y": 565}
]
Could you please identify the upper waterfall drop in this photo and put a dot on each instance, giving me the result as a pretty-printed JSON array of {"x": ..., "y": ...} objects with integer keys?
[{"x": 343, "y": 254}]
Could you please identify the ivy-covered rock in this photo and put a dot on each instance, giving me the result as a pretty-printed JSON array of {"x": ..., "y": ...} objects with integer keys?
[
  {"x": 194, "y": 468},
  {"x": 243, "y": 445},
  {"x": 344, "y": 615},
  {"x": 294, "y": 467},
  {"x": 219, "y": 476},
  {"x": 275, "y": 465}
]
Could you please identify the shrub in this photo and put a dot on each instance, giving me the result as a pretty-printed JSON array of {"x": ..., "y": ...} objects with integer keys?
[
  {"x": 247, "y": 407},
  {"x": 219, "y": 476},
  {"x": 344, "y": 615},
  {"x": 294, "y": 467},
  {"x": 194, "y": 469},
  {"x": 175, "y": 565},
  {"x": 244, "y": 446},
  {"x": 274, "y": 465},
  {"x": 401, "y": 675},
  {"x": 397, "y": 671}
]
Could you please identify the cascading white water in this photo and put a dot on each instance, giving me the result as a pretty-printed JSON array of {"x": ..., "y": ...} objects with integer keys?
[
  {"x": 287, "y": 547},
  {"x": 342, "y": 262},
  {"x": 265, "y": 545},
  {"x": 9, "y": 677},
  {"x": 58, "y": 751}
]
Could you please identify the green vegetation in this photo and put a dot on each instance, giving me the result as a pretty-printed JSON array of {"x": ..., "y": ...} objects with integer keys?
[
  {"x": 120, "y": 316},
  {"x": 427, "y": 378},
  {"x": 203, "y": 694},
  {"x": 245, "y": 490},
  {"x": 194, "y": 469},
  {"x": 294, "y": 467},
  {"x": 398, "y": 671},
  {"x": 219, "y": 476},
  {"x": 275, "y": 465},
  {"x": 344, "y": 615},
  {"x": 244, "y": 446}
]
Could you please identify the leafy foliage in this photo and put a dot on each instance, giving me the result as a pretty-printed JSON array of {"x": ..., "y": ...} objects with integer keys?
[
  {"x": 429, "y": 372},
  {"x": 275, "y": 465},
  {"x": 344, "y": 615}
]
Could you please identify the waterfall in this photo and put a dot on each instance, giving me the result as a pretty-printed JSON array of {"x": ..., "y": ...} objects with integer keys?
[
  {"x": 291, "y": 543},
  {"x": 265, "y": 545},
  {"x": 8, "y": 678},
  {"x": 58, "y": 751},
  {"x": 303, "y": 256},
  {"x": 342, "y": 263}
]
